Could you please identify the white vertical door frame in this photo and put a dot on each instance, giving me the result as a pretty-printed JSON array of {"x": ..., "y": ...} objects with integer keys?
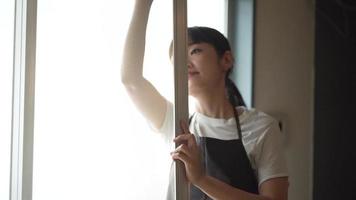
[
  {"x": 180, "y": 87},
  {"x": 23, "y": 100}
]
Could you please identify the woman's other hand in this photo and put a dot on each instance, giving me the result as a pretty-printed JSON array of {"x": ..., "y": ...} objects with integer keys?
[{"x": 188, "y": 152}]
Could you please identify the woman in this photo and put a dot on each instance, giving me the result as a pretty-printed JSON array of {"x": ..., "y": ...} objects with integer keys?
[{"x": 219, "y": 164}]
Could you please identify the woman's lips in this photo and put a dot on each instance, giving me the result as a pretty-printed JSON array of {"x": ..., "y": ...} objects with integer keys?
[{"x": 192, "y": 74}]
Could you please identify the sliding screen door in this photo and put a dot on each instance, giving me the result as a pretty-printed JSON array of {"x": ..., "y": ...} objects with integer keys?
[{"x": 90, "y": 141}]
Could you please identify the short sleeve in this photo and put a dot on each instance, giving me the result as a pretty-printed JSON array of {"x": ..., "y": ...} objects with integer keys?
[
  {"x": 167, "y": 127},
  {"x": 270, "y": 159}
]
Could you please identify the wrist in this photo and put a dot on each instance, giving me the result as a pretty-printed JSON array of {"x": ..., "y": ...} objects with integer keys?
[{"x": 201, "y": 181}]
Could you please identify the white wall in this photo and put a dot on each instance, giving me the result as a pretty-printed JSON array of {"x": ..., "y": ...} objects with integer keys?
[{"x": 283, "y": 82}]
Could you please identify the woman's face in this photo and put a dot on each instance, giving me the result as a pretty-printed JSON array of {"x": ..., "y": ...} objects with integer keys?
[{"x": 206, "y": 71}]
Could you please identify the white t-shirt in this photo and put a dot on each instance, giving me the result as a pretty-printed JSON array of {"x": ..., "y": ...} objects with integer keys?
[{"x": 261, "y": 137}]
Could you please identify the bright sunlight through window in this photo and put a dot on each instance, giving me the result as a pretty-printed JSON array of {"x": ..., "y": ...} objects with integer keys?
[
  {"x": 90, "y": 141},
  {"x": 7, "y": 11}
]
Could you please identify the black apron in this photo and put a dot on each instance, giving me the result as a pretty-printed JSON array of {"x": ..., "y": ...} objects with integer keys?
[{"x": 227, "y": 161}]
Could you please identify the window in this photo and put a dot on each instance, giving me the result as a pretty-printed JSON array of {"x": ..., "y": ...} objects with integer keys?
[
  {"x": 211, "y": 13},
  {"x": 89, "y": 140}
]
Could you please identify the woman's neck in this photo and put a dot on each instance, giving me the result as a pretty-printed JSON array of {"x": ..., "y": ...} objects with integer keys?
[{"x": 214, "y": 104}]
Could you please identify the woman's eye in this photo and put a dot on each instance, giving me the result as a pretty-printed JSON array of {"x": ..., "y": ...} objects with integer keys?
[{"x": 194, "y": 51}]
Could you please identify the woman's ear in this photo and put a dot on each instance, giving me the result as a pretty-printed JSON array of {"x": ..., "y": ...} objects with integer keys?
[{"x": 227, "y": 60}]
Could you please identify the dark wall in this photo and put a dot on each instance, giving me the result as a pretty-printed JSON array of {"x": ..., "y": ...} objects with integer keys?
[{"x": 335, "y": 110}]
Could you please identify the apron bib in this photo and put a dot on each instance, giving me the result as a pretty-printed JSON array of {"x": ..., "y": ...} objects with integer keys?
[{"x": 227, "y": 161}]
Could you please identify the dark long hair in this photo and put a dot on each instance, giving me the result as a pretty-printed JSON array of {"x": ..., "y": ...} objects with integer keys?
[{"x": 199, "y": 34}]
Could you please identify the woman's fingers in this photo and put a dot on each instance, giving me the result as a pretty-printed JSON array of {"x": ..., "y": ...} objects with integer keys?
[
  {"x": 190, "y": 156},
  {"x": 184, "y": 126},
  {"x": 182, "y": 138},
  {"x": 188, "y": 139},
  {"x": 183, "y": 149},
  {"x": 180, "y": 156},
  {"x": 181, "y": 153},
  {"x": 186, "y": 135}
]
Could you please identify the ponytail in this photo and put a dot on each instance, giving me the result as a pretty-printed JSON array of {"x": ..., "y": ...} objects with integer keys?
[{"x": 233, "y": 93}]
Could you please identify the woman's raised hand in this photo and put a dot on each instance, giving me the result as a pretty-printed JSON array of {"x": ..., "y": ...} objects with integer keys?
[
  {"x": 188, "y": 152},
  {"x": 148, "y": 2}
]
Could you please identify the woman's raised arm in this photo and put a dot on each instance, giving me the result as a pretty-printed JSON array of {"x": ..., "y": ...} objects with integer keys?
[{"x": 146, "y": 98}]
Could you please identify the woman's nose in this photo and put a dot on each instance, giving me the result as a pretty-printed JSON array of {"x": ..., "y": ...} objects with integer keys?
[{"x": 189, "y": 64}]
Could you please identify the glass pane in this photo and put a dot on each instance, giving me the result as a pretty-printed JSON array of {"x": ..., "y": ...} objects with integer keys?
[
  {"x": 90, "y": 141},
  {"x": 7, "y": 13},
  {"x": 210, "y": 13}
]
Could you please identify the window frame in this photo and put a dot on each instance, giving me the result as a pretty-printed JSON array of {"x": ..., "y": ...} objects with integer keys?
[
  {"x": 180, "y": 41},
  {"x": 23, "y": 99}
]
